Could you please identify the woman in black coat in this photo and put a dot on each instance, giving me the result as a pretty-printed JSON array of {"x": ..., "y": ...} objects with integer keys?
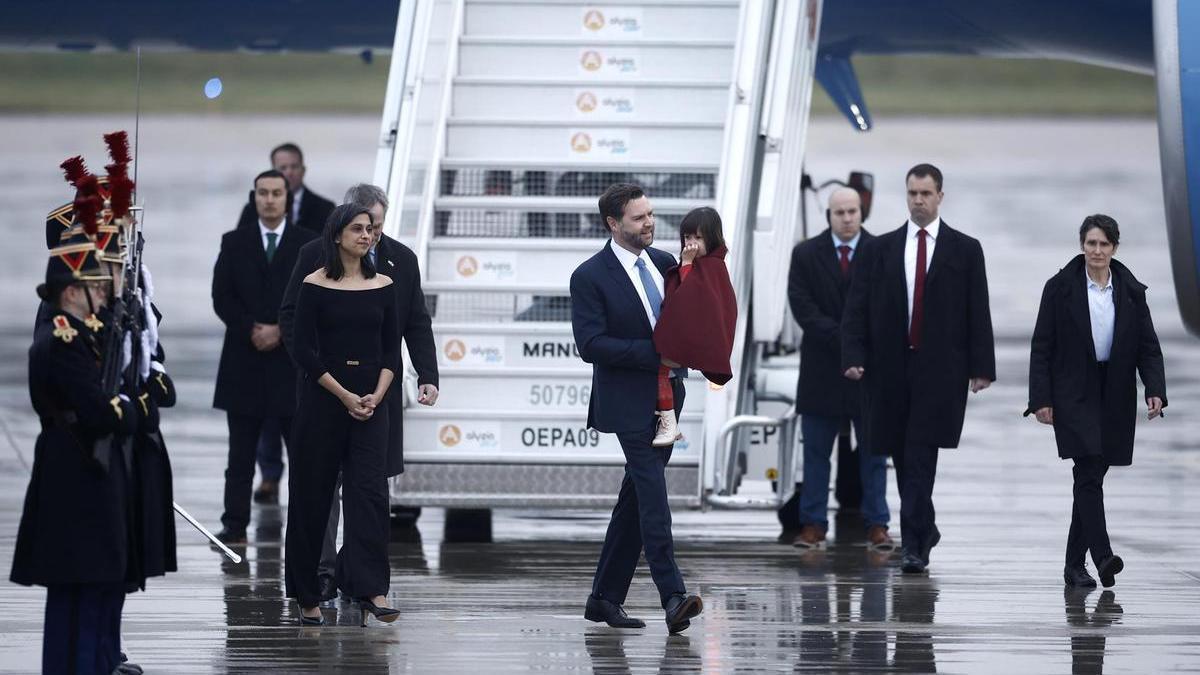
[{"x": 1093, "y": 331}]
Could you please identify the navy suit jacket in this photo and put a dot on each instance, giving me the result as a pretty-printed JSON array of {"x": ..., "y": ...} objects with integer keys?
[{"x": 613, "y": 334}]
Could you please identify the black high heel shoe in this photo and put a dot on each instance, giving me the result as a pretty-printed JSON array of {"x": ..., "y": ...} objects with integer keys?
[
  {"x": 384, "y": 614},
  {"x": 318, "y": 620}
]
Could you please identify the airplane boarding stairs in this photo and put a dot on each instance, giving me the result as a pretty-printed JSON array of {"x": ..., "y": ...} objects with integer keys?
[{"x": 505, "y": 121}]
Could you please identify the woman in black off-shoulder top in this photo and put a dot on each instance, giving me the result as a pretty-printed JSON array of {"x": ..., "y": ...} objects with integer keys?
[{"x": 347, "y": 346}]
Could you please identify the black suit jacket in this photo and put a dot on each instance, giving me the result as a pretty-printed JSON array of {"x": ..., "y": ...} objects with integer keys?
[
  {"x": 817, "y": 292},
  {"x": 247, "y": 290},
  {"x": 956, "y": 341},
  {"x": 1093, "y": 417},
  {"x": 314, "y": 211},
  {"x": 613, "y": 334},
  {"x": 398, "y": 262}
]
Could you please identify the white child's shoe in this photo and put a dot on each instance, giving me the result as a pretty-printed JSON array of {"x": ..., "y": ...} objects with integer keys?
[{"x": 668, "y": 429}]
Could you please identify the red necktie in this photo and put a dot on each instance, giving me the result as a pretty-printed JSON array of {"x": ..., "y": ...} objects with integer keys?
[
  {"x": 918, "y": 307},
  {"x": 844, "y": 259}
]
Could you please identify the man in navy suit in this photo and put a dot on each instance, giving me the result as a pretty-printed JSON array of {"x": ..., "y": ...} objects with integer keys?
[{"x": 615, "y": 300}]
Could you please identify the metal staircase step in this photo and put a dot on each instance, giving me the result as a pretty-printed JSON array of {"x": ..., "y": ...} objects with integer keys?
[
  {"x": 556, "y": 204},
  {"x": 586, "y": 102},
  {"x": 497, "y": 303},
  {"x": 498, "y": 140},
  {"x": 521, "y": 345},
  {"x": 484, "y": 262},
  {"x": 643, "y": 20},
  {"x": 534, "y": 390},
  {"x": 571, "y": 164},
  {"x": 549, "y": 437},
  {"x": 599, "y": 59}
]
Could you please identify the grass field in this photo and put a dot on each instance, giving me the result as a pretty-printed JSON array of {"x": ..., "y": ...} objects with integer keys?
[{"x": 338, "y": 83}]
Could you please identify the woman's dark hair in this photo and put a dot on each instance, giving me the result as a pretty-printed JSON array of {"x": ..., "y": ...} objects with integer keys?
[
  {"x": 1106, "y": 224},
  {"x": 338, "y": 219},
  {"x": 705, "y": 221}
]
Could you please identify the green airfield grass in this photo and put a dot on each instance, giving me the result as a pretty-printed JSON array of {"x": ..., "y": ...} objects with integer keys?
[{"x": 38, "y": 83}]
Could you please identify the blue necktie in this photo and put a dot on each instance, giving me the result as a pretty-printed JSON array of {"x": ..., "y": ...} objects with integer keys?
[
  {"x": 652, "y": 293},
  {"x": 371, "y": 254}
]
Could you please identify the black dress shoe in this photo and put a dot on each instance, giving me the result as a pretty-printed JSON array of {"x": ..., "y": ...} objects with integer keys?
[
  {"x": 603, "y": 611},
  {"x": 1108, "y": 568},
  {"x": 227, "y": 536},
  {"x": 680, "y": 609},
  {"x": 328, "y": 588},
  {"x": 1078, "y": 577},
  {"x": 934, "y": 540},
  {"x": 912, "y": 564}
]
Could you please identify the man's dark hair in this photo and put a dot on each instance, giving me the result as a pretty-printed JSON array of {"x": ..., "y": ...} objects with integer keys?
[
  {"x": 705, "y": 221},
  {"x": 338, "y": 219},
  {"x": 287, "y": 147},
  {"x": 270, "y": 173},
  {"x": 1106, "y": 224},
  {"x": 926, "y": 171},
  {"x": 614, "y": 199}
]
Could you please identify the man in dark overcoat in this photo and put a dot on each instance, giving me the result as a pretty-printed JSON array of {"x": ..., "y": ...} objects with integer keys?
[
  {"x": 306, "y": 208},
  {"x": 255, "y": 379},
  {"x": 1093, "y": 336},
  {"x": 818, "y": 281},
  {"x": 397, "y": 261},
  {"x": 918, "y": 332}
]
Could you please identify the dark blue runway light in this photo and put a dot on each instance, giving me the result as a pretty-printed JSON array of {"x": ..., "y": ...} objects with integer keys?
[{"x": 213, "y": 88}]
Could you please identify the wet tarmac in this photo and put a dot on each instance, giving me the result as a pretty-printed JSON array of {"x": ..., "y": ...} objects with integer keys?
[{"x": 992, "y": 603}]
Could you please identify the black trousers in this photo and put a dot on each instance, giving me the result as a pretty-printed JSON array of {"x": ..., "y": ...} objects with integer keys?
[
  {"x": 82, "y": 632},
  {"x": 1089, "y": 531},
  {"x": 244, "y": 432},
  {"x": 327, "y": 440},
  {"x": 641, "y": 518},
  {"x": 916, "y": 470}
]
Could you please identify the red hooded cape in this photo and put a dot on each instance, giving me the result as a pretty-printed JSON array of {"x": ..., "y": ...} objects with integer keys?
[{"x": 698, "y": 318}]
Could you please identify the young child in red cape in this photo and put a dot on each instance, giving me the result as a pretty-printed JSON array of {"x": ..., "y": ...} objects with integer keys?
[{"x": 696, "y": 322}]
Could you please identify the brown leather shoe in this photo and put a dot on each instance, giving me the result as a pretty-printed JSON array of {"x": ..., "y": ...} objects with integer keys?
[
  {"x": 878, "y": 538},
  {"x": 267, "y": 493},
  {"x": 810, "y": 537}
]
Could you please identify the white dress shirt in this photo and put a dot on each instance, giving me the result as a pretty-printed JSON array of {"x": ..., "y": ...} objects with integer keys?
[
  {"x": 1103, "y": 314},
  {"x": 910, "y": 255},
  {"x": 262, "y": 230},
  {"x": 297, "y": 197},
  {"x": 853, "y": 244},
  {"x": 629, "y": 262}
]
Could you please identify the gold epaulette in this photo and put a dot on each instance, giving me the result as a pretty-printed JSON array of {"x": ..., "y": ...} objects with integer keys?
[
  {"x": 63, "y": 330},
  {"x": 116, "y": 404}
]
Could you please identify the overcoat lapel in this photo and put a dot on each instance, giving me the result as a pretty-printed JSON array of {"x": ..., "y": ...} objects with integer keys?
[
  {"x": 828, "y": 259},
  {"x": 253, "y": 242},
  {"x": 1077, "y": 307},
  {"x": 944, "y": 249}
]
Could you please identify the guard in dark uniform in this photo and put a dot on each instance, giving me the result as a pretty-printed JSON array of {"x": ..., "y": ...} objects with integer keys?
[
  {"x": 98, "y": 512},
  {"x": 73, "y": 535}
]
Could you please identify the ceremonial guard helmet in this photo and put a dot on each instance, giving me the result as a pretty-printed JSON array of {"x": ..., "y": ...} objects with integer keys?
[
  {"x": 86, "y": 233},
  {"x": 114, "y": 192}
]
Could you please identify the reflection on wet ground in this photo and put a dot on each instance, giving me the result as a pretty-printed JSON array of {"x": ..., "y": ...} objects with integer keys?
[{"x": 992, "y": 603}]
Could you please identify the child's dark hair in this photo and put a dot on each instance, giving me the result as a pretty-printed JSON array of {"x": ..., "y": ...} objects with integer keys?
[{"x": 705, "y": 221}]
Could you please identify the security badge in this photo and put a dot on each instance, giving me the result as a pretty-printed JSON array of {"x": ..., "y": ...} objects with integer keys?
[{"x": 63, "y": 329}]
